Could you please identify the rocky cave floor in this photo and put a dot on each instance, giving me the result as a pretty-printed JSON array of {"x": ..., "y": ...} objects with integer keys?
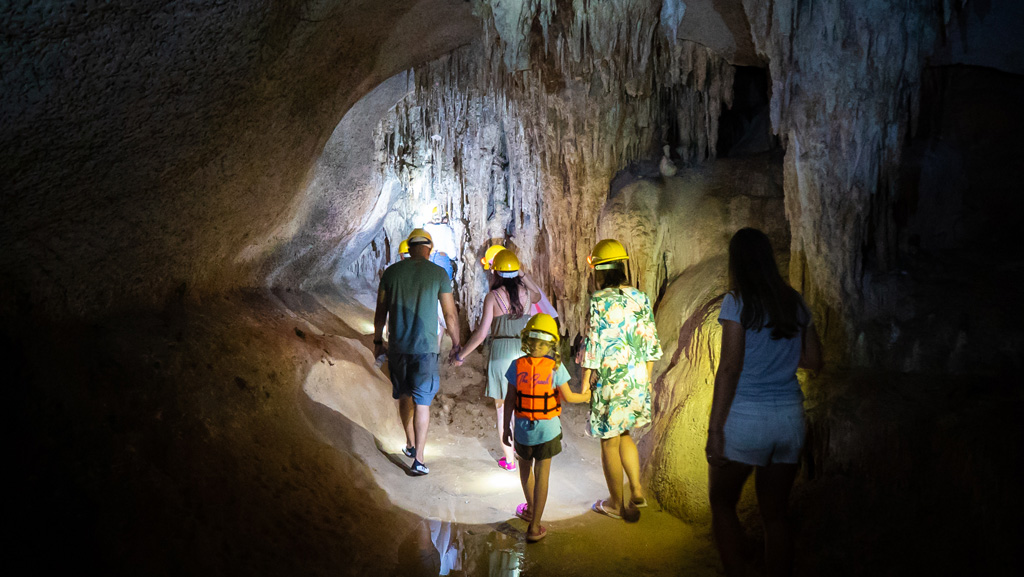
[{"x": 203, "y": 439}]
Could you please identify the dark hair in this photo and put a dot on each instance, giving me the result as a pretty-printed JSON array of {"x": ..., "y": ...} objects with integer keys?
[
  {"x": 611, "y": 277},
  {"x": 512, "y": 286},
  {"x": 768, "y": 302}
]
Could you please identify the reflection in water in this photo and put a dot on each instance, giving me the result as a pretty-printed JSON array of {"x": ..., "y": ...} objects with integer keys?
[
  {"x": 504, "y": 553},
  {"x": 504, "y": 564},
  {"x": 437, "y": 547},
  {"x": 448, "y": 542},
  {"x": 417, "y": 555}
]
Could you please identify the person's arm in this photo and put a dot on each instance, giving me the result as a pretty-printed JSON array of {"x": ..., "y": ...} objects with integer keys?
[
  {"x": 380, "y": 318},
  {"x": 589, "y": 377},
  {"x": 534, "y": 288},
  {"x": 572, "y": 397},
  {"x": 810, "y": 350},
  {"x": 728, "y": 375},
  {"x": 451, "y": 317},
  {"x": 510, "y": 405},
  {"x": 482, "y": 330}
]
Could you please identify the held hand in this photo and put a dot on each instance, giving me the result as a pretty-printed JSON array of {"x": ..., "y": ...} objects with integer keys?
[
  {"x": 379, "y": 349},
  {"x": 454, "y": 354},
  {"x": 506, "y": 437},
  {"x": 715, "y": 449}
]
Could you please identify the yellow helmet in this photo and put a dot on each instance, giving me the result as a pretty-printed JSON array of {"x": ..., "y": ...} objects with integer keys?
[
  {"x": 419, "y": 236},
  {"x": 403, "y": 247},
  {"x": 606, "y": 251},
  {"x": 489, "y": 255},
  {"x": 506, "y": 264},
  {"x": 541, "y": 326}
]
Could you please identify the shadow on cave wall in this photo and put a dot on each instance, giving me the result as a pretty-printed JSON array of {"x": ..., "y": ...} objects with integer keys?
[
  {"x": 177, "y": 442},
  {"x": 911, "y": 452}
]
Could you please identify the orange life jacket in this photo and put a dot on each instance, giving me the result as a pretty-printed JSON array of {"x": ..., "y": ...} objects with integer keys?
[{"x": 536, "y": 397}]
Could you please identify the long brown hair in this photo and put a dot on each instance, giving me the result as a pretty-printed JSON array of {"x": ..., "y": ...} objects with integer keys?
[
  {"x": 511, "y": 286},
  {"x": 768, "y": 302}
]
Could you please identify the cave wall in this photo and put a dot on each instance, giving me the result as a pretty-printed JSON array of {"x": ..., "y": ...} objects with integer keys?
[
  {"x": 846, "y": 98},
  {"x": 190, "y": 132},
  {"x": 158, "y": 147},
  {"x": 192, "y": 151}
]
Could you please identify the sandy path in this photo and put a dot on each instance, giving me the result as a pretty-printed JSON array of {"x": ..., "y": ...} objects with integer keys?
[{"x": 465, "y": 484}]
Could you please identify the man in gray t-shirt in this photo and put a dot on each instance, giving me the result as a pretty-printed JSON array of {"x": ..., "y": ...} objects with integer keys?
[{"x": 407, "y": 300}]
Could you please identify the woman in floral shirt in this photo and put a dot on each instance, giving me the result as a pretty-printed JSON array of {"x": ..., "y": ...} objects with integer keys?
[{"x": 622, "y": 345}]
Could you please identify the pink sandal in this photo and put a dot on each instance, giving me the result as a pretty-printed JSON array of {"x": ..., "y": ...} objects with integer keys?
[
  {"x": 540, "y": 535},
  {"x": 507, "y": 465},
  {"x": 523, "y": 512}
]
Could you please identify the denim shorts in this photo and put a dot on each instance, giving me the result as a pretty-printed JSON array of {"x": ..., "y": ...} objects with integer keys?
[
  {"x": 414, "y": 375},
  {"x": 762, "y": 433}
]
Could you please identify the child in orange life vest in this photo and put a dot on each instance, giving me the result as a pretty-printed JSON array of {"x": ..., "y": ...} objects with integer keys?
[{"x": 537, "y": 384}]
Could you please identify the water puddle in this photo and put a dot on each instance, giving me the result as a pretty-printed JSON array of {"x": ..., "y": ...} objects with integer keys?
[{"x": 438, "y": 547}]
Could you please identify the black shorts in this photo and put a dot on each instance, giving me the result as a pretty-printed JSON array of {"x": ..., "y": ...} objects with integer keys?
[{"x": 540, "y": 452}]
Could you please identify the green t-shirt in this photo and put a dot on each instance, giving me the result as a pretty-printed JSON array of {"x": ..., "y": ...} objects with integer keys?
[{"x": 413, "y": 287}]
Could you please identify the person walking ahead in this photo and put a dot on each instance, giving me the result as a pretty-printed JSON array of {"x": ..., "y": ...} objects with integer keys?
[
  {"x": 504, "y": 318},
  {"x": 407, "y": 300},
  {"x": 757, "y": 414},
  {"x": 622, "y": 345},
  {"x": 537, "y": 383}
]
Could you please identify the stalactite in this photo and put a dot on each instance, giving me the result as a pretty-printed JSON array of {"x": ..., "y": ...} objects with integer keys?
[{"x": 552, "y": 128}]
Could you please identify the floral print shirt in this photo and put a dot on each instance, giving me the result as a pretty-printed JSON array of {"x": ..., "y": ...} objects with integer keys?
[{"x": 621, "y": 340}]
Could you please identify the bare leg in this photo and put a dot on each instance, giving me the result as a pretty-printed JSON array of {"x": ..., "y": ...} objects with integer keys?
[
  {"x": 526, "y": 479},
  {"x": 541, "y": 470},
  {"x": 630, "y": 458},
  {"x": 406, "y": 409},
  {"x": 612, "y": 465},
  {"x": 725, "y": 483},
  {"x": 499, "y": 408},
  {"x": 421, "y": 424},
  {"x": 773, "y": 484}
]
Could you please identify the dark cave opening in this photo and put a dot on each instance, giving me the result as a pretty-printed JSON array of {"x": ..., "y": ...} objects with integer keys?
[{"x": 745, "y": 128}]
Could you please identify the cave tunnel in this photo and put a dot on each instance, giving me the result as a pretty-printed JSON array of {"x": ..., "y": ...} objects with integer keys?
[{"x": 199, "y": 200}]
